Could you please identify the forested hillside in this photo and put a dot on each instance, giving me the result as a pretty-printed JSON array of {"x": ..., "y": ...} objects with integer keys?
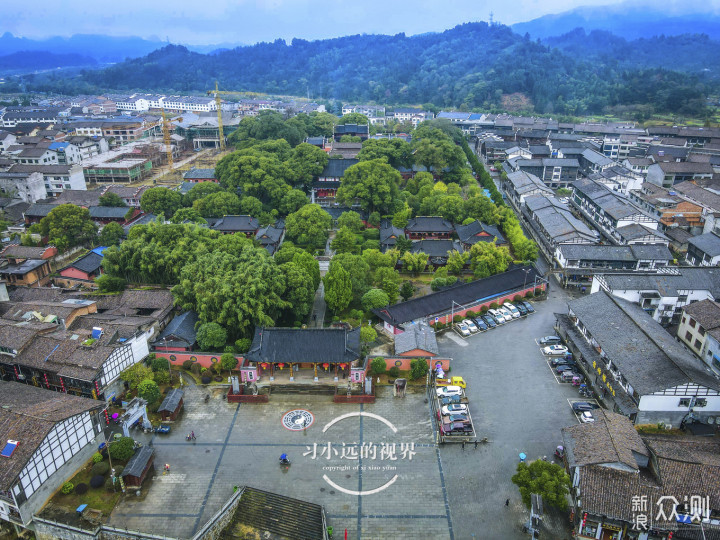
[{"x": 472, "y": 66}]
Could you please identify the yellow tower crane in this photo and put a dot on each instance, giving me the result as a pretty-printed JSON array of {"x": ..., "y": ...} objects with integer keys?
[{"x": 218, "y": 106}]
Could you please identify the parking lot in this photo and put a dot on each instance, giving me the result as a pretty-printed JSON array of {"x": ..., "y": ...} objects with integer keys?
[
  {"x": 488, "y": 327},
  {"x": 520, "y": 408}
]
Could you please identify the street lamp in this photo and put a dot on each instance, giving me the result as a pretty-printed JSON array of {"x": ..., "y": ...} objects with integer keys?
[{"x": 527, "y": 271}]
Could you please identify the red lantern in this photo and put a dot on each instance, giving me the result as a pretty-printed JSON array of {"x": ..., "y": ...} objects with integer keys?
[
  {"x": 264, "y": 365},
  {"x": 281, "y": 365},
  {"x": 326, "y": 365},
  {"x": 342, "y": 366}
]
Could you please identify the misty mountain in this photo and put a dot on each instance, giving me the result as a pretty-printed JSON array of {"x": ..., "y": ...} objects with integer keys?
[
  {"x": 104, "y": 49},
  {"x": 628, "y": 20},
  {"x": 26, "y": 61},
  {"x": 691, "y": 53},
  {"x": 473, "y": 65}
]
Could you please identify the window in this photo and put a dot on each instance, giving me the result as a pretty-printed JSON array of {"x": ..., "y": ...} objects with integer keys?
[
  {"x": 684, "y": 402},
  {"x": 698, "y": 344},
  {"x": 701, "y": 330},
  {"x": 682, "y": 298},
  {"x": 688, "y": 336},
  {"x": 692, "y": 323}
]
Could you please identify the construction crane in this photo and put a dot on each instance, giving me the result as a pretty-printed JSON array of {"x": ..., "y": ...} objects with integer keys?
[
  {"x": 166, "y": 136},
  {"x": 218, "y": 106}
]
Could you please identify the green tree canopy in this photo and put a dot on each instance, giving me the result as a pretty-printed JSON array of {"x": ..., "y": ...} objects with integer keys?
[
  {"x": 397, "y": 152},
  {"x": 373, "y": 183},
  {"x": 351, "y": 220},
  {"x": 211, "y": 336},
  {"x": 122, "y": 449},
  {"x": 67, "y": 226},
  {"x": 135, "y": 374},
  {"x": 228, "y": 361},
  {"x": 187, "y": 214},
  {"x": 251, "y": 206},
  {"x": 309, "y": 226},
  {"x": 407, "y": 290},
  {"x": 293, "y": 201},
  {"x": 414, "y": 262},
  {"x": 300, "y": 290},
  {"x": 388, "y": 279},
  {"x": 487, "y": 259},
  {"x": 374, "y": 298},
  {"x": 345, "y": 241},
  {"x": 160, "y": 200},
  {"x": 218, "y": 205},
  {"x": 354, "y": 118},
  {"x": 111, "y": 234},
  {"x": 200, "y": 190},
  {"x": 111, "y": 199},
  {"x": 338, "y": 288},
  {"x": 306, "y": 163},
  {"x": 358, "y": 270},
  {"x": 149, "y": 391},
  {"x": 238, "y": 287},
  {"x": 367, "y": 334},
  {"x": 547, "y": 479}
]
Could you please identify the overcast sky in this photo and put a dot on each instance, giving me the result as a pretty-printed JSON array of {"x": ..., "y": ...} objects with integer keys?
[{"x": 250, "y": 21}]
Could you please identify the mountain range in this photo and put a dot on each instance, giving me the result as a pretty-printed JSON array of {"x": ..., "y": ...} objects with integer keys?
[
  {"x": 474, "y": 65},
  {"x": 630, "y": 20}
]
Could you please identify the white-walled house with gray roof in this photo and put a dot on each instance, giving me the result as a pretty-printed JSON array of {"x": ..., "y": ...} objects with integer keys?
[
  {"x": 635, "y": 365},
  {"x": 662, "y": 295}
]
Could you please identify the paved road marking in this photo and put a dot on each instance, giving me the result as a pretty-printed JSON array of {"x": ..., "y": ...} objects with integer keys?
[{"x": 361, "y": 493}]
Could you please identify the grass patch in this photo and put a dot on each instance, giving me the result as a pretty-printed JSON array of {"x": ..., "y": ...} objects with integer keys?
[
  {"x": 95, "y": 498},
  {"x": 657, "y": 429}
]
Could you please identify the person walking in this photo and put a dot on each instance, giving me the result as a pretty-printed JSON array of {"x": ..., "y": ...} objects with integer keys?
[
  {"x": 463, "y": 446},
  {"x": 507, "y": 502},
  {"x": 476, "y": 443}
]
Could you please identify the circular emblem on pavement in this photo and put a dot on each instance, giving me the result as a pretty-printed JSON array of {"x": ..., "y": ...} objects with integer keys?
[{"x": 297, "y": 420}]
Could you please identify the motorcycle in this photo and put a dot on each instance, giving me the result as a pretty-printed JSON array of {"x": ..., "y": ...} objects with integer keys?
[{"x": 284, "y": 461}]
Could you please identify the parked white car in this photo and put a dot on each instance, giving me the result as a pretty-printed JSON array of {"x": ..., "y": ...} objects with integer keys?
[
  {"x": 499, "y": 315},
  {"x": 470, "y": 325},
  {"x": 454, "y": 408},
  {"x": 587, "y": 417},
  {"x": 505, "y": 311},
  {"x": 515, "y": 312},
  {"x": 555, "y": 350},
  {"x": 445, "y": 391},
  {"x": 462, "y": 327}
]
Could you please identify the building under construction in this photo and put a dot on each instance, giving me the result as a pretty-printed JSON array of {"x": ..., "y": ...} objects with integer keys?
[
  {"x": 131, "y": 163},
  {"x": 202, "y": 130}
]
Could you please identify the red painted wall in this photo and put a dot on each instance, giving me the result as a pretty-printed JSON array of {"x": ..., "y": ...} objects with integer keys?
[
  {"x": 75, "y": 273},
  {"x": 204, "y": 359},
  {"x": 403, "y": 363},
  {"x": 445, "y": 319},
  {"x": 417, "y": 352}
]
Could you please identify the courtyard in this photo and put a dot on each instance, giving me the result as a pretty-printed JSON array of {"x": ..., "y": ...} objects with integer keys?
[{"x": 410, "y": 487}]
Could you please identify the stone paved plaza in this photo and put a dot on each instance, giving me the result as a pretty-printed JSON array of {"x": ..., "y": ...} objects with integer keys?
[
  {"x": 442, "y": 492},
  {"x": 240, "y": 445}
]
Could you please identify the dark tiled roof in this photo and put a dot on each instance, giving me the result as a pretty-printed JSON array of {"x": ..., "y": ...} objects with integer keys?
[
  {"x": 108, "y": 212},
  {"x": 473, "y": 233},
  {"x": 612, "y": 438},
  {"x": 14, "y": 336},
  {"x": 24, "y": 252},
  {"x": 237, "y": 224},
  {"x": 39, "y": 210},
  {"x": 429, "y": 224},
  {"x": 27, "y": 414},
  {"x": 689, "y": 278},
  {"x": 138, "y": 462},
  {"x": 635, "y": 230},
  {"x": 89, "y": 263},
  {"x": 441, "y": 301},
  {"x": 645, "y": 353},
  {"x": 705, "y": 312},
  {"x": 23, "y": 268},
  {"x": 584, "y": 252},
  {"x": 269, "y": 235},
  {"x": 332, "y": 345},
  {"x": 436, "y": 248},
  {"x": 708, "y": 243},
  {"x": 172, "y": 400},
  {"x": 204, "y": 174},
  {"x": 336, "y": 168},
  {"x": 389, "y": 233},
  {"x": 182, "y": 326},
  {"x": 416, "y": 336},
  {"x": 79, "y": 197}
]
